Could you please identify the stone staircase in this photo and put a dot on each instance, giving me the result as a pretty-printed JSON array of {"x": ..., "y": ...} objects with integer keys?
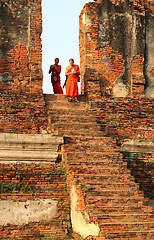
[{"x": 95, "y": 165}]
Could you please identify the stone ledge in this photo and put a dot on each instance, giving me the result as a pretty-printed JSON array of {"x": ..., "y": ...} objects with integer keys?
[
  {"x": 29, "y": 147},
  {"x": 138, "y": 146},
  {"x": 36, "y": 138}
]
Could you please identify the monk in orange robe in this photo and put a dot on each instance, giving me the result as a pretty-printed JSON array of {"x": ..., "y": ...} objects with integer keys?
[
  {"x": 55, "y": 77},
  {"x": 72, "y": 73}
]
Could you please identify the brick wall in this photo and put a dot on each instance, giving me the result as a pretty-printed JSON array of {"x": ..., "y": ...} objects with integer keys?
[
  {"x": 21, "y": 96},
  {"x": 141, "y": 166},
  {"x": 114, "y": 59},
  {"x": 125, "y": 118},
  {"x": 43, "y": 181},
  {"x": 117, "y": 72},
  {"x": 111, "y": 64}
]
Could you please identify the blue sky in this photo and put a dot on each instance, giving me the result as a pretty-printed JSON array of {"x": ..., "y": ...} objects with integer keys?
[{"x": 60, "y": 37}]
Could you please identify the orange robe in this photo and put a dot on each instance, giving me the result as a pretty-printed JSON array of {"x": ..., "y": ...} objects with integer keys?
[
  {"x": 55, "y": 79},
  {"x": 72, "y": 81}
]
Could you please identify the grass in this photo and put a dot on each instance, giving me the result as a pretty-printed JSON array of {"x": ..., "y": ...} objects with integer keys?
[
  {"x": 13, "y": 108},
  {"x": 13, "y": 187},
  {"x": 140, "y": 159}
]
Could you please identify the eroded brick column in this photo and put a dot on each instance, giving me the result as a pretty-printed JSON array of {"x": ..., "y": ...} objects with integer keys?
[
  {"x": 115, "y": 48},
  {"x": 21, "y": 100},
  {"x": 89, "y": 24}
]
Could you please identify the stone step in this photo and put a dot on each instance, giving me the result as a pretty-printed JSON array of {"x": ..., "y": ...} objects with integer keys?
[
  {"x": 107, "y": 209},
  {"x": 71, "y": 118},
  {"x": 66, "y": 133},
  {"x": 97, "y": 159},
  {"x": 113, "y": 193},
  {"x": 110, "y": 186},
  {"x": 104, "y": 169},
  {"x": 116, "y": 201},
  {"x": 61, "y": 97},
  {"x": 76, "y": 119},
  {"x": 66, "y": 105},
  {"x": 95, "y": 155},
  {"x": 132, "y": 235},
  {"x": 128, "y": 217},
  {"x": 112, "y": 190},
  {"x": 76, "y": 126},
  {"x": 95, "y": 152},
  {"x": 100, "y": 162},
  {"x": 65, "y": 101},
  {"x": 119, "y": 186},
  {"x": 79, "y": 113},
  {"x": 90, "y": 141},
  {"x": 93, "y": 144},
  {"x": 65, "y": 118},
  {"x": 96, "y": 163},
  {"x": 84, "y": 140},
  {"x": 72, "y": 140},
  {"x": 123, "y": 226},
  {"x": 125, "y": 178}
]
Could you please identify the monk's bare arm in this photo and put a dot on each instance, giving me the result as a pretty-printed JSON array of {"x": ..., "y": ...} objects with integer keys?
[
  {"x": 51, "y": 68},
  {"x": 76, "y": 73},
  {"x": 69, "y": 74}
]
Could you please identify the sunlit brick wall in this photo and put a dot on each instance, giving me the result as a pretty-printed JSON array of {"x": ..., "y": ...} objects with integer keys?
[
  {"x": 116, "y": 49},
  {"x": 21, "y": 100}
]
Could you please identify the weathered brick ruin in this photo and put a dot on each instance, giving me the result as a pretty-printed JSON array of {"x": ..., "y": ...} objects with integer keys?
[
  {"x": 116, "y": 47},
  {"x": 85, "y": 168},
  {"x": 22, "y": 104}
]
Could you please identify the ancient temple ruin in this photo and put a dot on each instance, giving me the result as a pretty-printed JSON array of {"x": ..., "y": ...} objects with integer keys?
[
  {"x": 116, "y": 47},
  {"x": 87, "y": 167}
]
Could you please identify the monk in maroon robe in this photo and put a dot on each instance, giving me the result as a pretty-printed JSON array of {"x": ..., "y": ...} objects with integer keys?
[{"x": 55, "y": 77}]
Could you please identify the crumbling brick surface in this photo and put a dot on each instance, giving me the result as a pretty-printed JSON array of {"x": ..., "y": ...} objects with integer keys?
[
  {"x": 117, "y": 74},
  {"x": 36, "y": 181},
  {"x": 105, "y": 185},
  {"x": 113, "y": 36},
  {"x": 125, "y": 118},
  {"x": 141, "y": 166},
  {"x": 21, "y": 96},
  {"x": 22, "y": 113}
]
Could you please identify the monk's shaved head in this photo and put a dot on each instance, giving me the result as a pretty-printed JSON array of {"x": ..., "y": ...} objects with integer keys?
[
  {"x": 56, "y": 60},
  {"x": 71, "y": 60}
]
